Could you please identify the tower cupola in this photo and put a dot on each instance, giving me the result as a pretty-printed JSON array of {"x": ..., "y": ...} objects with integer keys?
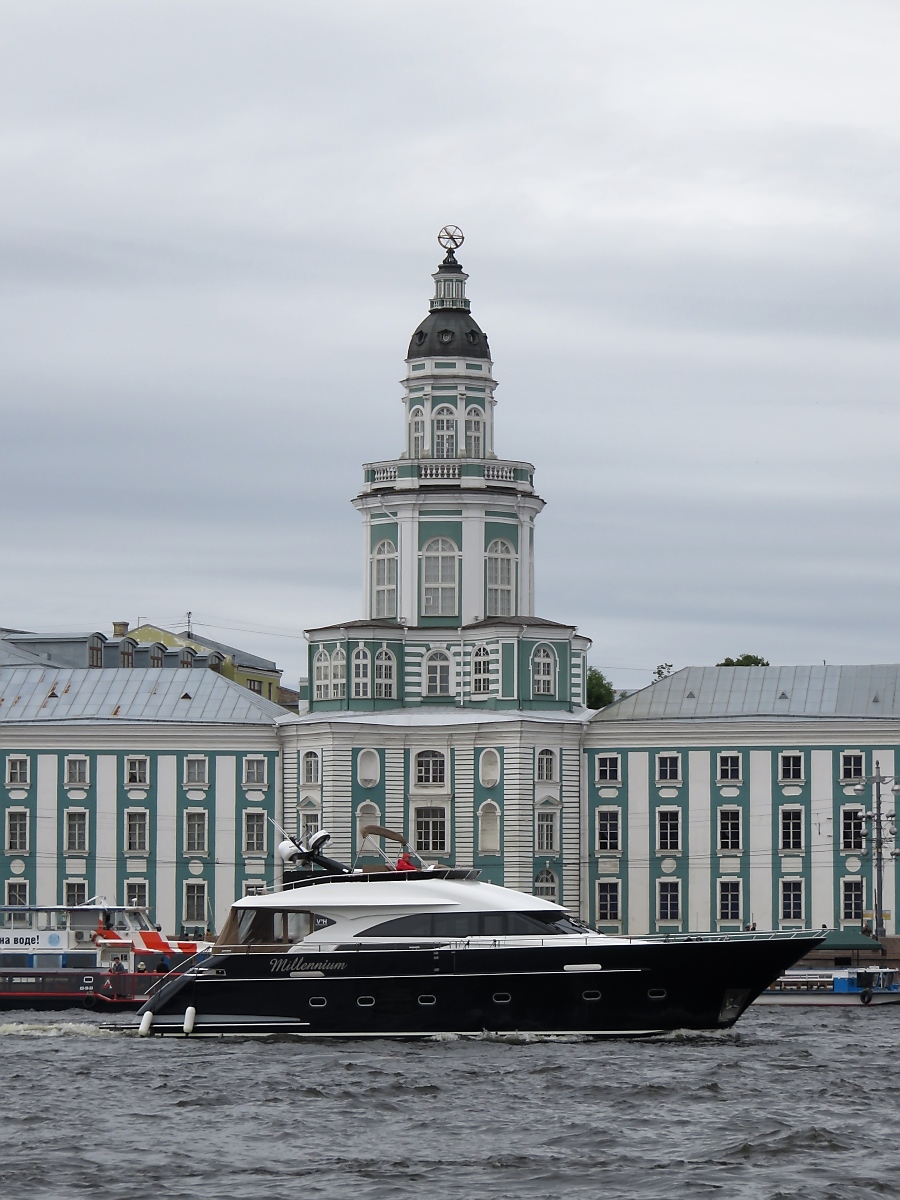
[{"x": 449, "y": 329}]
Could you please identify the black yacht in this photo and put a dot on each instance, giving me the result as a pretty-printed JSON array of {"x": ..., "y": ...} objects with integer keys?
[{"x": 427, "y": 951}]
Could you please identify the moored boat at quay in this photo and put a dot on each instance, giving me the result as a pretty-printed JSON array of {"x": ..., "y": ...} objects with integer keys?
[
  {"x": 850, "y": 987},
  {"x": 422, "y": 952}
]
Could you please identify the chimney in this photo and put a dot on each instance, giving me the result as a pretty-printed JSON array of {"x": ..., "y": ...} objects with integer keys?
[{"x": 120, "y": 629}]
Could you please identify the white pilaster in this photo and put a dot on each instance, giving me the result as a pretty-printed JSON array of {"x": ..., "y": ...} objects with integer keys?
[
  {"x": 638, "y": 842},
  {"x": 225, "y": 837},
  {"x": 168, "y": 905},
  {"x": 46, "y": 845},
  {"x": 824, "y": 830},
  {"x": 889, "y": 803},
  {"x": 760, "y": 839},
  {"x": 107, "y": 842},
  {"x": 699, "y": 860}
]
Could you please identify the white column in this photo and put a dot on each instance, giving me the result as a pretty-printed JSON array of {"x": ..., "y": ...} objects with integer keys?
[
  {"x": 699, "y": 859},
  {"x": 760, "y": 839},
  {"x": 167, "y": 904},
  {"x": 45, "y": 846},
  {"x": 824, "y": 830},
  {"x": 225, "y": 837},
  {"x": 106, "y": 879},
  {"x": 638, "y": 842},
  {"x": 889, "y": 803}
]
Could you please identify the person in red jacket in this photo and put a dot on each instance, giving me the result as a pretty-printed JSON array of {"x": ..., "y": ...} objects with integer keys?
[{"x": 405, "y": 862}]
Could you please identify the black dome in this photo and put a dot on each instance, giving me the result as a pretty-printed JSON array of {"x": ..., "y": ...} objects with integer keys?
[{"x": 449, "y": 331}]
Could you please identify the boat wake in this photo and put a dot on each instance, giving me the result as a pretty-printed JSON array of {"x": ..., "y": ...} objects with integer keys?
[{"x": 50, "y": 1029}]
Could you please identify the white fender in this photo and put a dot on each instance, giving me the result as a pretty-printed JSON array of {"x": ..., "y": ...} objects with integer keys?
[
  {"x": 190, "y": 1015},
  {"x": 146, "y": 1029}
]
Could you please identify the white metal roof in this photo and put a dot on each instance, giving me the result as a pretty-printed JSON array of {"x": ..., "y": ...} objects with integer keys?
[{"x": 415, "y": 895}]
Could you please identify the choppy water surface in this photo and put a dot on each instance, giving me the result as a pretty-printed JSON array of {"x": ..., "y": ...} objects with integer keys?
[{"x": 789, "y": 1105}]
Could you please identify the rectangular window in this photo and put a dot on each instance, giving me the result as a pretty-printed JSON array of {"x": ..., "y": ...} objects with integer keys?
[
  {"x": 195, "y": 903},
  {"x": 791, "y": 767},
  {"x": 310, "y": 767},
  {"x": 670, "y": 900},
  {"x": 254, "y": 833},
  {"x": 136, "y": 821},
  {"x": 255, "y": 685},
  {"x": 17, "y": 772},
  {"x": 17, "y": 891},
  {"x": 195, "y": 824},
  {"x": 792, "y": 900},
  {"x": 852, "y": 899},
  {"x": 136, "y": 772},
  {"x": 135, "y": 893},
  {"x": 545, "y": 763},
  {"x": 254, "y": 772},
  {"x": 729, "y": 900},
  {"x": 729, "y": 829},
  {"x": 729, "y": 766},
  {"x": 608, "y": 822},
  {"x": 195, "y": 772},
  {"x": 254, "y": 888},
  {"x": 668, "y": 825},
  {"x": 76, "y": 839},
  {"x": 17, "y": 830},
  {"x": 431, "y": 830},
  {"x": 384, "y": 675},
  {"x": 545, "y": 833},
  {"x": 74, "y": 892},
  {"x": 309, "y": 824},
  {"x": 792, "y": 829},
  {"x": 608, "y": 907},
  {"x": 77, "y": 771},
  {"x": 608, "y": 769},
  {"x": 668, "y": 767},
  {"x": 851, "y": 766},
  {"x": 852, "y": 829}
]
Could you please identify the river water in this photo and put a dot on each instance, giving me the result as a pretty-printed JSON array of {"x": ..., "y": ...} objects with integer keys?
[{"x": 789, "y": 1105}]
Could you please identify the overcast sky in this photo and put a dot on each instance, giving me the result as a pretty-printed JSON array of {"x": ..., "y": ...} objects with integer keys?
[{"x": 682, "y": 237}]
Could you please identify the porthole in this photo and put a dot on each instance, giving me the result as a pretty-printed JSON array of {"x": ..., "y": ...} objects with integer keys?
[
  {"x": 657, "y": 993},
  {"x": 317, "y": 1002},
  {"x": 427, "y": 1000},
  {"x": 502, "y": 997},
  {"x": 590, "y": 995},
  {"x": 365, "y": 1001}
]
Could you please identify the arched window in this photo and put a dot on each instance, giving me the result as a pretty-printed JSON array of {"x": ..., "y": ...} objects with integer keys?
[
  {"x": 444, "y": 433},
  {"x": 489, "y": 768},
  {"x": 416, "y": 433},
  {"x": 366, "y": 814},
  {"x": 338, "y": 674},
  {"x": 437, "y": 674},
  {"x": 430, "y": 767},
  {"x": 500, "y": 561},
  {"x": 384, "y": 675},
  {"x": 368, "y": 768},
  {"x": 361, "y": 668},
  {"x": 310, "y": 767},
  {"x": 322, "y": 673},
  {"x": 489, "y": 828},
  {"x": 384, "y": 580},
  {"x": 543, "y": 672},
  {"x": 439, "y": 562},
  {"x": 474, "y": 433},
  {"x": 481, "y": 671},
  {"x": 545, "y": 765},
  {"x": 545, "y": 885}
]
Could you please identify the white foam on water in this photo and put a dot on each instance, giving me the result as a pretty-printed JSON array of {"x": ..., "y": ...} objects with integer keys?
[{"x": 50, "y": 1029}]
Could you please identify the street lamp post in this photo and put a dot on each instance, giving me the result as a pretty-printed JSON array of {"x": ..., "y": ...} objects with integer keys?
[{"x": 877, "y": 839}]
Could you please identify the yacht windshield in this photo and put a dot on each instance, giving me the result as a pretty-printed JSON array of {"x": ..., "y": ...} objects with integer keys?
[{"x": 478, "y": 924}]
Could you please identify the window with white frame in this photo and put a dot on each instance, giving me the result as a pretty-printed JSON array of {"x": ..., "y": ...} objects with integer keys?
[
  {"x": 338, "y": 674},
  {"x": 609, "y": 830},
  {"x": 255, "y": 685},
  {"x": 136, "y": 893},
  {"x": 852, "y": 899},
  {"x": 384, "y": 571},
  {"x": 668, "y": 829},
  {"x": 309, "y": 824},
  {"x": 77, "y": 771},
  {"x": 546, "y": 835},
  {"x": 76, "y": 831},
  {"x": 792, "y": 899},
  {"x": 489, "y": 828},
  {"x": 791, "y": 767},
  {"x": 195, "y": 903},
  {"x": 16, "y": 891},
  {"x": 852, "y": 766},
  {"x": 254, "y": 832},
  {"x": 16, "y": 772},
  {"x": 608, "y": 768},
  {"x": 729, "y": 829},
  {"x": 196, "y": 825},
  {"x": 729, "y": 767},
  {"x": 668, "y": 768},
  {"x": 361, "y": 670},
  {"x": 17, "y": 830},
  {"x": 546, "y": 761},
  {"x": 444, "y": 433},
  {"x": 416, "y": 433},
  {"x": 322, "y": 674},
  {"x": 254, "y": 772},
  {"x": 385, "y": 673},
  {"x": 74, "y": 892},
  {"x": 437, "y": 674},
  {"x": 439, "y": 571},
  {"x": 489, "y": 768},
  {"x": 195, "y": 772},
  {"x": 474, "y": 434},
  {"x": 729, "y": 900},
  {"x": 481, "y": 671},
  {"x": 669, "y": 900},
  {"x": 136, "y": 828},
  {"x": 792, "y": 829},
  {"x": 546, "y": 884},
  {"x": 543, "y": 672},
  {"x": 431, "y": 830},
  {"x": 310, "y": 767},
  {"x": 430, "y": 768},
  {"x": 609, "y": 907},
  {"x": 254, "y": 887},
  {"x": 853, "y": 829},
  {"x": 136, "y": 772},
  {"x": 500, "y": 578}
]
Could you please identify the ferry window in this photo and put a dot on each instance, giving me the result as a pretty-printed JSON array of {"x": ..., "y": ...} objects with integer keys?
[
  {"x": 136, "y": 772},
  {"x": 851, "y": 766},
  {"x": 670, "y": 900},
  {"x": 729, "y": 829},
  {"x": 791, "y": 766},
  {"x": 608, "y": 837},
  {"x": 608, "y": 894},
  {"x": 254, "y": 772},
  {"x": 729, "y": 900},
  {"x": 75, "y": 892},
  {"x": 431, "y": 830},
  {"x": 76, "y": 771},
  {"x": 545, "y": 761},
  {"x": 546, "y": 838},
  {"x": 477, "y": 924},
  {"x": 729, "y": 766},
  {"x": 254, "y": 833},
  {"x": 792, "y": 829},
  {"x": 545, "y": 884},
  {"x": 852, "y": 899},
  {"x": 852, "y": 829},
  {"x": 136, "y": 893},
  {"x": 791, "y": 900},
  {"x": 17, "y": 891},
  {"x": 195, "y": 831},
  {"x": 195, "y": 903},
  {"x": 310, "y": 767},
  {"x": 668, "y": 768},
  {"x": 17, "y": 772},
  {"x": 136, "y": 821},
  {"x": 17, "y": 830},
  {"x": 668, "y": 829},
  {"x": 608, "y": 768},
  {"x": 195, "y": 772},
  {"x": 429, "y": 767},
  {"x": 76, "y": 831}
]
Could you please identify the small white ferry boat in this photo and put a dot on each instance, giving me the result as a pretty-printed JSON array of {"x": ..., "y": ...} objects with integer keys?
[{"x": 848, "y": 987}]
